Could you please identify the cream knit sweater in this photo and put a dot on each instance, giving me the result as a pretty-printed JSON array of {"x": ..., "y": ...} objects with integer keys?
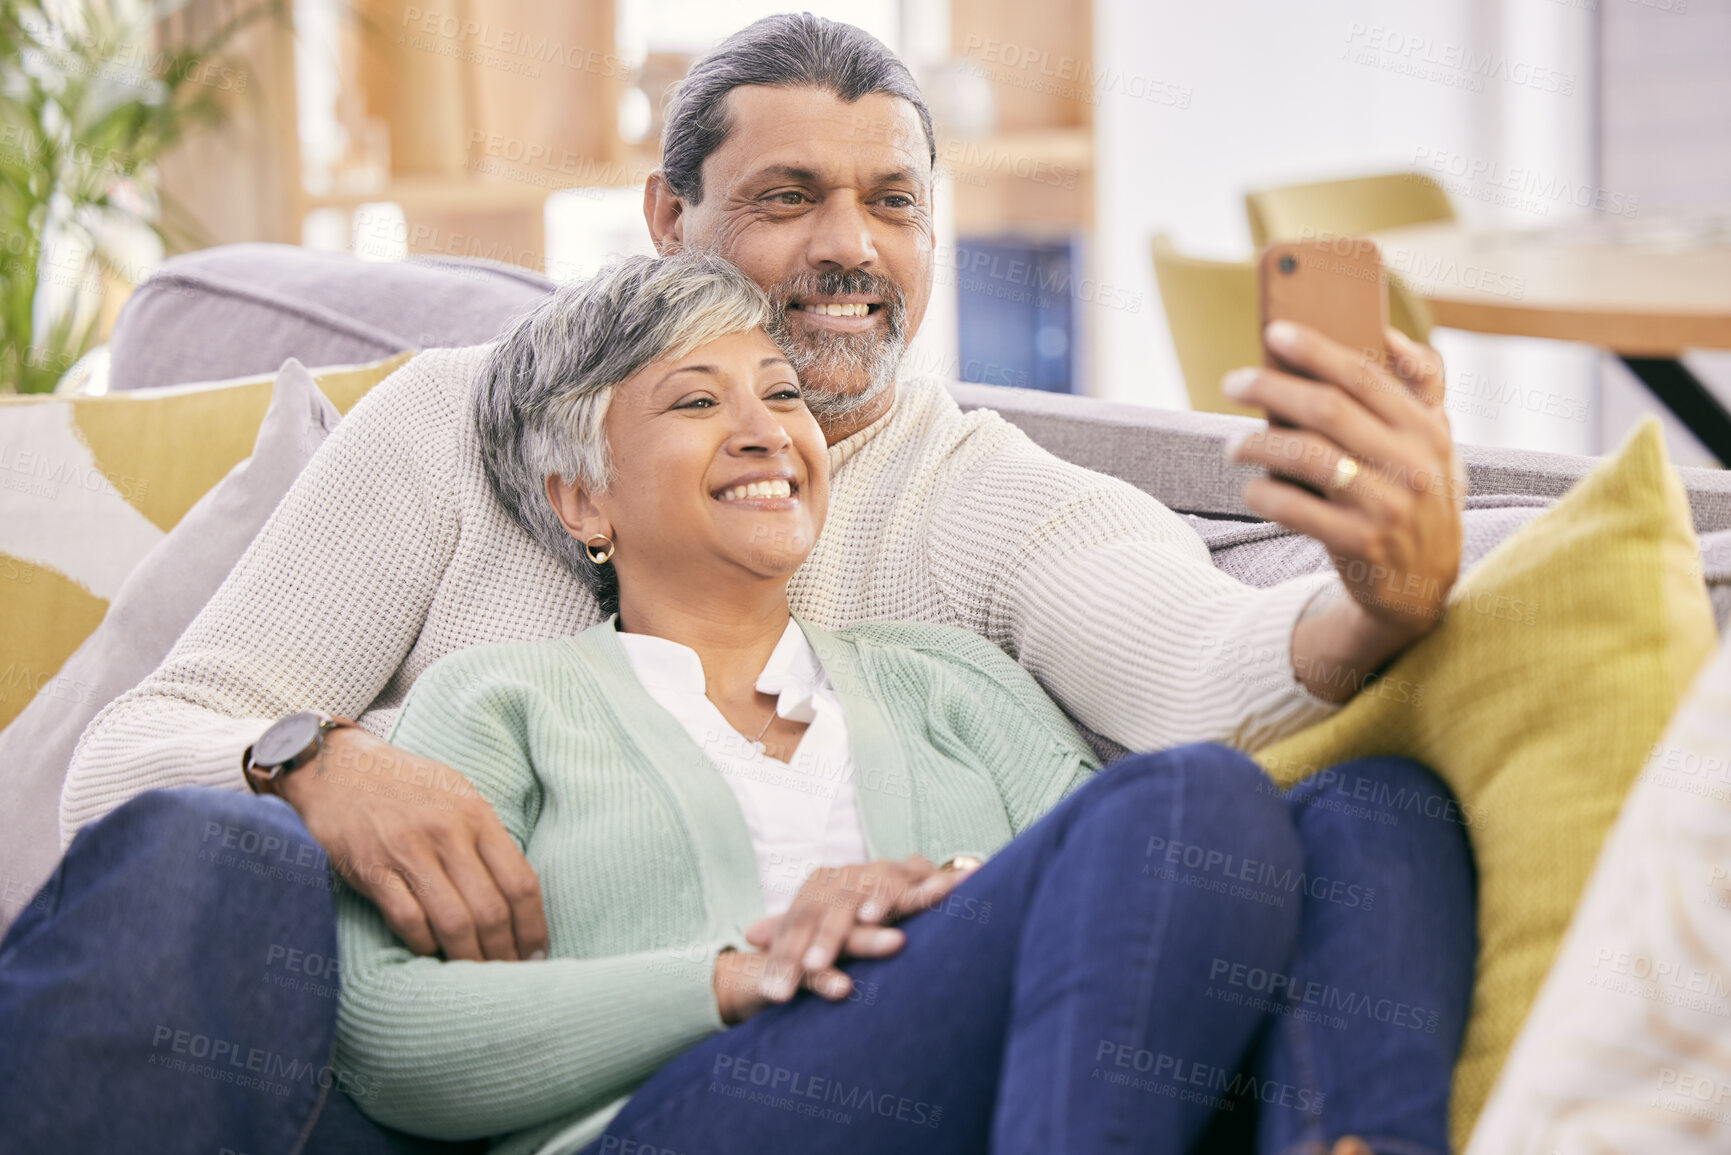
[{"x": 390, "y": 552}]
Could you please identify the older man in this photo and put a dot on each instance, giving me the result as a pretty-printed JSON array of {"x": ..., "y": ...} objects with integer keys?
[{"x": 803, "y": 151}]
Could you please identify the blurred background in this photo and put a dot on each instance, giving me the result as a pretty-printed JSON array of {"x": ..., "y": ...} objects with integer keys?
[{"x": 1091, "y": 154}]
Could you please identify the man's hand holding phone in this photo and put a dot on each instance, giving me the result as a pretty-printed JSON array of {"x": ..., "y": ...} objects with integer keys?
[{"x": 1359, "y": 456}]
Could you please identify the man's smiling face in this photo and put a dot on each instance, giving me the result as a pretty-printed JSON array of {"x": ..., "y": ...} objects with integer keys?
[{"x": 827, "y": 205}]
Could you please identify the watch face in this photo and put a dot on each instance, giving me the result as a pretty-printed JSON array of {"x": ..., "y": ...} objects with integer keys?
[{"x": 284, "y": 741}]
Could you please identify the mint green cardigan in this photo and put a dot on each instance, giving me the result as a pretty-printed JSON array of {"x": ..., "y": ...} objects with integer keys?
[{"x": 646, "y": 866}]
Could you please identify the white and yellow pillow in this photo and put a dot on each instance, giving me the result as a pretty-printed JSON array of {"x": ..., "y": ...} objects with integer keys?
[{"x": 88, "y": 485}]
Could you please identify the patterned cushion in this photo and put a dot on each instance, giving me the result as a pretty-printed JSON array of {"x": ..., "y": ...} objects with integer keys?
[{"x": 1625, "y": 1047}]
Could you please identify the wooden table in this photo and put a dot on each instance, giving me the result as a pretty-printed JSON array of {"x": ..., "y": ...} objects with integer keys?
[{"x": 1645, "y": 290}]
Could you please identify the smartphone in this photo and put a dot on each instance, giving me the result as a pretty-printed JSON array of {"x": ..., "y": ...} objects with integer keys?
[{"x": 1333, "y": 283}]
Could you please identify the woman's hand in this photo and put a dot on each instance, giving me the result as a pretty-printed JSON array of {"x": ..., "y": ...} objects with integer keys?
[
  {"x": 840, "y": 911},
  {"x": 738, "y": 984}
]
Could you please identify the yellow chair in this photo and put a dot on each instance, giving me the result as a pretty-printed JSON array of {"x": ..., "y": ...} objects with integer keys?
[
  {"x": 1359, "y": 205},
  {"x": 1211, "y": 310},
  {"x": 1355, "y": 206}
]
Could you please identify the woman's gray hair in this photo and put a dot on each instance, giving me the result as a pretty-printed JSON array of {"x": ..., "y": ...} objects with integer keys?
[
  {"x": 541, "y": 402},
  {"x": 789, "y": 50}
]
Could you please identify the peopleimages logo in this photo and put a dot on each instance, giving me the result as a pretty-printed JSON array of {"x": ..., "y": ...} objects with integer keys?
[
  {"x": 137, "y": 66},
  {"x": 1067, "y": 77},
  {"x": 1661, "y": 980},
  {"x": 789, "y": 1089},
  {"x": 52, "y": 473},
  {"x": 1687, "y": 1093},
  {"x": 1172, "y": 1075},
  {"x": 979, "y": 161},
  {"x": 1480, "y": 395},
  {"x": 982, "y": 270},
  {"x": 1288, "y": 989},
  {"x": 226, "y": 1061},
  {"x": 1528, "y": 188},
  {"x": 1254, "y": 873},
  {"x": 512, "y": 49},
  {"x": 1458, "y": 65}
]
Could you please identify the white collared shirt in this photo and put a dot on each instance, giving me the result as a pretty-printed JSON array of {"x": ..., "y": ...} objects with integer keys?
[{"x": 801, "y": 814}]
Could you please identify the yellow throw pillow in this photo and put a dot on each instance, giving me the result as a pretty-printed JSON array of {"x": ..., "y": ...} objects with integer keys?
[
  {"x": 1561, "y": 658},
  {"x": 88, "y": 485}
]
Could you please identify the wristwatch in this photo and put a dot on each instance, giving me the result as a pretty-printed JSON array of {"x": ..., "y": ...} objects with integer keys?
[{"x": 289, "y": 744}]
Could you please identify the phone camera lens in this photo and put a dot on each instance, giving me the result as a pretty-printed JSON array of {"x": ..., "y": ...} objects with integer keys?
[{"x": 1288, "y": 263}]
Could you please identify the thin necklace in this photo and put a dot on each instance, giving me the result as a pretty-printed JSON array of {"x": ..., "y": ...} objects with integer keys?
[{"x": 757, "y": 742}]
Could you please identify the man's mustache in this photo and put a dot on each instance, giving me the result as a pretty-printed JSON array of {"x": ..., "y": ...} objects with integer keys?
[{"x": 853, "y": 283}]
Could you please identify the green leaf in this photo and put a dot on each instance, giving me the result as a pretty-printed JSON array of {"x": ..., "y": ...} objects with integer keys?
[{"x": 82, "y": 106}]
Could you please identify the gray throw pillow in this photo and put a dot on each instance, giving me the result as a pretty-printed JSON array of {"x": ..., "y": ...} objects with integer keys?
[{"x": 158, "y": 600}]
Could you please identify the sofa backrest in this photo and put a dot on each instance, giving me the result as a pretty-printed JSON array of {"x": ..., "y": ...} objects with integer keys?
[
  {"x": 1178, "y": 455},
  {"x": 242, "y": 310},
  {"x": 238, "y": 310}
]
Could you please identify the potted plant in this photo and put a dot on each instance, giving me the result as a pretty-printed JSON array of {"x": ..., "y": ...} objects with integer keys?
[{"x": 89, "y": 103}]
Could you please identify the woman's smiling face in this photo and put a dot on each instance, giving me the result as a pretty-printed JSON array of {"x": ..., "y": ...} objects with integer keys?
[{"x": 720, "y": 473}]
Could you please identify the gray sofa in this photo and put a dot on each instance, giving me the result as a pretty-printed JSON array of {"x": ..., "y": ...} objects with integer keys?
[
  {"x": 237, "y": 310},
  {"x": 241, "y": 310}
]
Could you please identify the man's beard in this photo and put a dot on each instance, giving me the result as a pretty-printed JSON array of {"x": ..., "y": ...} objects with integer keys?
[{"x": 832, "y": 366}]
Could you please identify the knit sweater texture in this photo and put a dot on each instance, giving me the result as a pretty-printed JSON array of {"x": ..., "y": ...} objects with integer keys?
[
  {"x": 646, "y": 863},
  {"x": 390, "y": 551}
]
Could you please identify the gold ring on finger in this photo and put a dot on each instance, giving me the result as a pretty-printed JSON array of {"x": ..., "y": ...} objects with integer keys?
[{"x": 1344, "y": 471}]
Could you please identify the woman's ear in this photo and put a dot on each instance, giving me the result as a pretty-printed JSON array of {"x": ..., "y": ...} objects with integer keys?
[
  {"x": 576, "y": 510},
  {"x": 664, "y": 213}
]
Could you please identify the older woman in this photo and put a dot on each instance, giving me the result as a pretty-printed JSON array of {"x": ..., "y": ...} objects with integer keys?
[{"x": 735, "y": 816}]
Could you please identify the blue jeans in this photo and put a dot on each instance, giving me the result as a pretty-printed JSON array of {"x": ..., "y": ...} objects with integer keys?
[
  {"x": 1099, "y": 984},
  {"x": 1175, "y": 942},
  {"x": 174, "y": 988}
]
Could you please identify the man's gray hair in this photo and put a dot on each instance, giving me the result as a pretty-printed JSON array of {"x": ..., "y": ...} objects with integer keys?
[
  {"x": 541, "y": 402},
  {"x": 786, "y": 51}
]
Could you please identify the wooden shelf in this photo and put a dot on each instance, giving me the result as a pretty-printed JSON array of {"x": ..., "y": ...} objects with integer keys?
[
  {"x": 1033, "y": 176},
  {"x": 1033, "y": 182},
  {"x": 440, "y": 194},
  {"x": 1004, "y": 153}
]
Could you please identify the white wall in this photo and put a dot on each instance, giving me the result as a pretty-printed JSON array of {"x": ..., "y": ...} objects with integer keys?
[
  {"x": 1666, "y": 141},
  {"x": 1287, "y": 92}
]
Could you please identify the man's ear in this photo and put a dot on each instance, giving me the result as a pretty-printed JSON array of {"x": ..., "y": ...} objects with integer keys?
[
  {"x": 576, "y": 510},
  {"x": 664, "y": 213}
]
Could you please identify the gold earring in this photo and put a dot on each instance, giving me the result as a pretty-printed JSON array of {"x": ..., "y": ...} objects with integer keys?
[{"x": 599, "y": 553}]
